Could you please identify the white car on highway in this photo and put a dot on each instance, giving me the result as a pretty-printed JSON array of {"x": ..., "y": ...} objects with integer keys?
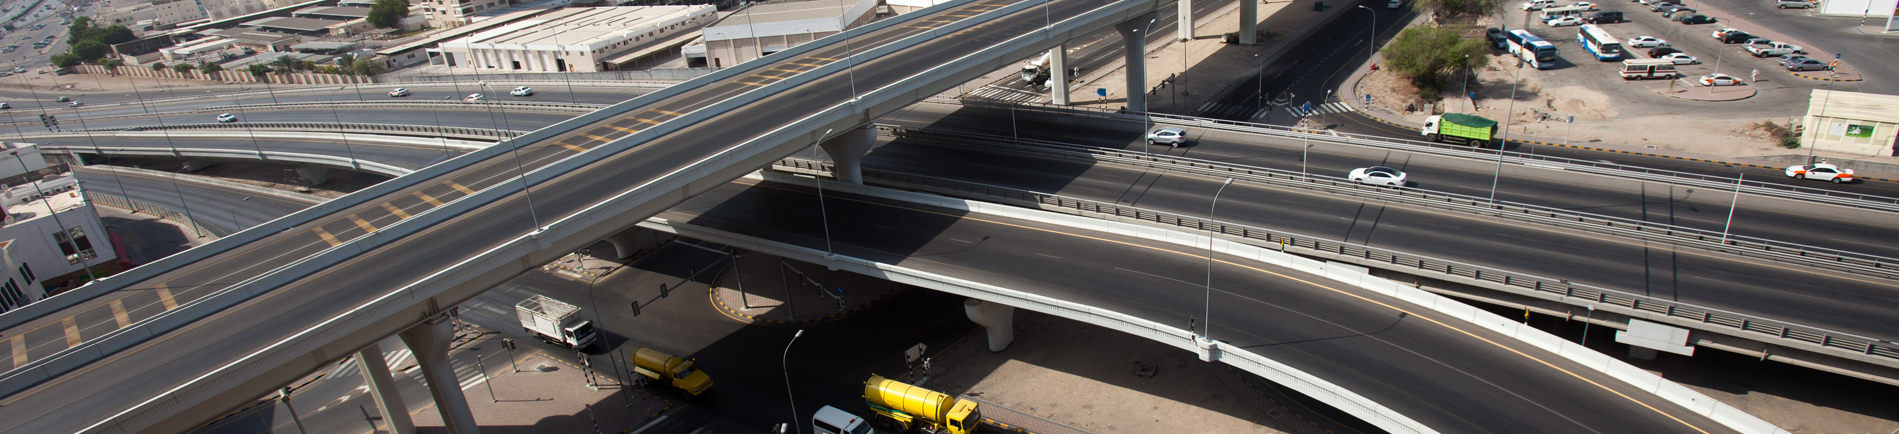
[
  {"x": 473, "y": 97},
  {"x": 1821, "y": 172},
  {"x": 1645, "y": 42},
  {"x": 227, "y": 118},
  {"x": 399, "y": 92},
  {"x": 522, "y": 91},
  {"x": 1377, "y": 175},
  {"x": 1171, "y": 136}
]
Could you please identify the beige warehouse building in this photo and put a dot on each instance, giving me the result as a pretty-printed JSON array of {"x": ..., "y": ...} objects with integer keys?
[
  {"x": 574, "y": 40},
  {"x": 772, "y": 27}
]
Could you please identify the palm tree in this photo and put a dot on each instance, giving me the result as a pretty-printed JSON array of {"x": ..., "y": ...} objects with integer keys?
[{"x": 286, "y": 63}]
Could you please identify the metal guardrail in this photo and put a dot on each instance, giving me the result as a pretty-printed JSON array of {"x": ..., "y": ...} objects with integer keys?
[
  {"x": 1754, "y": 326},
  {"x": 1784, "y": 191},
  {"x": 1832, "y": 259},
  {"x": 332, "y": 127},
  {"x": 351, "y": 105}
]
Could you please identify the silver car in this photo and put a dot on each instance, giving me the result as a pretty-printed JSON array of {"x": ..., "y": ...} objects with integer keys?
[{"x": 1170, "y": 136}]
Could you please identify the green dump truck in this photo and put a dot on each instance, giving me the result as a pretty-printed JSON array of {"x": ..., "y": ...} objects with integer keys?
[{"x": 1460, "y": 128}]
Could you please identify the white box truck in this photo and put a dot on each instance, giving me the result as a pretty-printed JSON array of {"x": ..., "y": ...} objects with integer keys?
[{"x": 555, "y": 322}]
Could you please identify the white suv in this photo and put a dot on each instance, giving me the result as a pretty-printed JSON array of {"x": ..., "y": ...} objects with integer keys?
[
  {"x": 1170, "y": 136},
  {"x": 1802, "y": 4}
]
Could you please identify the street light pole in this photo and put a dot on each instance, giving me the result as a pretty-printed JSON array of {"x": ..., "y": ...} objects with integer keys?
[
  {"x": 784, "y": 363},
  {"x": 1207, "y": 315},
  {"x": 818, "y": 181}
]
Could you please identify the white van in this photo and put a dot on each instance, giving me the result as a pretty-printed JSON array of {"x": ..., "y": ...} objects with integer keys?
[
  {"x": 831, "y": 420},
  {"x": 1647, "y": 68}
]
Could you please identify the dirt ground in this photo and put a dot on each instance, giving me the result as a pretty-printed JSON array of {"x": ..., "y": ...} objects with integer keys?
[{"x": 1540, "y": 111}]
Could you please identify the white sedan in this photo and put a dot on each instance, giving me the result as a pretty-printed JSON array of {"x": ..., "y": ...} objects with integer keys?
[
  {"x": 1587, "y": 6},
  {"x": 1719, "y": 79},
  {"x": 1566, "y": 21},
  {"x": 1821, "y": 172},
  {"x": 1680, "y": 58},
  {"x": 522, "y": 91},
  {"x": 227, "y": 118},
  {"x": 1378, "y": 175},
  {"x": 1645, "y": 42},
  {"x": 473, "y": 97}
]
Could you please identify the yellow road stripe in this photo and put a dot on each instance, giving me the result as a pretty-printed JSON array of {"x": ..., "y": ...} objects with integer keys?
[
  {"x": 650, "y": 121},
  {"x": 397, "y": 211},
  {"x": 629, "y": 130},
  {"x": 571, "y": 147},
  {"x": 327, "y": 238},
  {"x": 19, "y": 350},
  {"x": 427, "y": 198},
  {"x": 118, "y": 312},
  {"x": 669, "y": 113},
  {"x": 164, "y": 296},
  {"x": 601, "y": 139},
  {"x": 1308, "y": 282},
  {"x": 458, "y": 187},
  {"x": 812, "y": 65},
  {"x": 72, "y": 331},
  {"x": 827, "y": 59},
  {"x": 747, "y": 83},
  {"x": 362, "y": 223}
]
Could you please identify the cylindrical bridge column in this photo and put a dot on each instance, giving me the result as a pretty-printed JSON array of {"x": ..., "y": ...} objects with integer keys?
[
  {"x": 847, "y": 153},
  {"x": 1134, "y": 42},
  {"x": 429, "y": 341},
  {"x": 382, "y": 386}
]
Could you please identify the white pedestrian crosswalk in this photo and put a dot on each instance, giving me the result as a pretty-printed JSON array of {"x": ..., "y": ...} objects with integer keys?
[
  {"x": 1331, "y": 107},
  {"x": 1235, "y": 112},
  {"x": 397, "y": 359},
  {"x": 999, "y": 93}
]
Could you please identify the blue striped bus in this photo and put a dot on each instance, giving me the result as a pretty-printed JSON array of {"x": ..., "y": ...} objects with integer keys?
[
  {"x": 1598, "y": 42},
  {"x": 1539, "y": 53}
]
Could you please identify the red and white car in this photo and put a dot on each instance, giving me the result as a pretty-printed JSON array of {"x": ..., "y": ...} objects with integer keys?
[{"x": 1821, "y": 172}]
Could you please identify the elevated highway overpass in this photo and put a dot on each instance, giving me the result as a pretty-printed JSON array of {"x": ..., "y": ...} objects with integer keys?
[
  {"x": 495, "y": 208},
  {"x": 398, "y": 254}
]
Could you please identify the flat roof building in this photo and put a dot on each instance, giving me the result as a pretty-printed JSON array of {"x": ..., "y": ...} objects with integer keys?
[
  {"x": 1852, "y": 122},
  {"x": 574, "y": 40},
  {"x": 764, "y": 28}
]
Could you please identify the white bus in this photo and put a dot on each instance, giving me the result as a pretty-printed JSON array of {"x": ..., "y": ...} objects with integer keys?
[
  {"x": 1567, "y": 11},
  {"x": 1634, "y": 69},
  {"x": 1539, "y": 53},
  {"x": 1598, "y": 42}
]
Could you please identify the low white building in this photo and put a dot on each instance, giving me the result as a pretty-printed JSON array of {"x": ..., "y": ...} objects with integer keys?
[
  {"x": 574, "y": 40},
  {"x": 16, "y": 290},
  {"x": 764, "y": 28},
  {"x": 37, "y": 248},
  {"x": 1851, "y": 122}
]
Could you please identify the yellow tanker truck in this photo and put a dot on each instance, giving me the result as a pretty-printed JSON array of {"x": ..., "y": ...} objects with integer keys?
[{"x": 902, "y": 407}]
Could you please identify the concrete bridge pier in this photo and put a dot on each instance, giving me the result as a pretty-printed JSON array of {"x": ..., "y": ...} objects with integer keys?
[
  {"x": 847, "y": 151},
  {"x": 626, "y": 242},
  {"x": 429, "y": 341},
  {"x": 1185, "y": 15},
  {"x": 1134, "y": 40},
  {"x": 382, "y": 386},
  {"x": 1249, "y": 23},
  {"x": 998, "y": 318},
  {"x": 316, "y": 175},
  {"x": 1058, "y": 74}
]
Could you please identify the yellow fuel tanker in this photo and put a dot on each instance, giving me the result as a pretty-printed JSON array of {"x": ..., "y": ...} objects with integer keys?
[{"x": 902, "y": 407}]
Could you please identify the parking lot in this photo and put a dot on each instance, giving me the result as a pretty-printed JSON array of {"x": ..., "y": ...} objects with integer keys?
[
  {"x": 1780, "y": 94},
  {"x": 22, "y": 38}
]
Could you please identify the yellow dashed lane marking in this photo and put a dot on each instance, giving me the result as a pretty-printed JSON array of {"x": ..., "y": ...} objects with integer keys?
[
  {"x": 650, "y": 121},
  {"x": 669, "y": 113},
  {"x": 118, "y": 313},
  {"x": 72, "y": 331},
  {"x": 362, "y": 223},
  {"x": 630, "y": 130},
  {"x": 747, "y": 83},
  {"x": 571, "y": 147},
  {"x": 808, "y": 65},
  {"x": 427, "y": 198},
  {"x": 394, "y": 210},
  {"x": 594, "y": 137},
  {"x": 164, "y": 296},
  {"x": 458, "y": 187},
  {"x": 827, "y": 59},
  {"x": 19, "y": 350},
  {"x": 327, "y": 238}
]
